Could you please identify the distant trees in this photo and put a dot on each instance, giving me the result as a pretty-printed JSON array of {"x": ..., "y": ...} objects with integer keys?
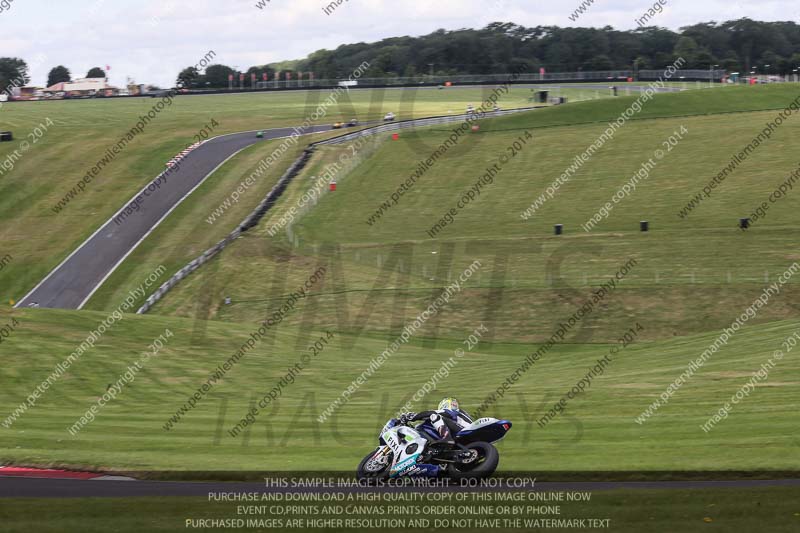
[
  {"x": 96, "y": 72},
  {"x": 217, "y": 75},
  {"x": 503, "y": 47},
  {"x": 58, "y": 74},
  {"x": 737, "y": 45},
  {"x": 13, "y": 73},
  {"x": 188, "y": 77}
]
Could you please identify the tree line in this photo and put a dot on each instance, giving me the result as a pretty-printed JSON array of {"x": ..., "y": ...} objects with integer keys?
[
  {"x": 736, "y": 46},
  {"x": 741, "y": 45},
  {"x": 14, "y": 73}
]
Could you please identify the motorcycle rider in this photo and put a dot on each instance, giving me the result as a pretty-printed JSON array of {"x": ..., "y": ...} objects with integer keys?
[{"x": 448, "y": 418}]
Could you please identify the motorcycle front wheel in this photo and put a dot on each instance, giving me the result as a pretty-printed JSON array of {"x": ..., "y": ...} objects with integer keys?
[
  {"x": 372, "y": 469},
  {"x": 482, "y": 464}
]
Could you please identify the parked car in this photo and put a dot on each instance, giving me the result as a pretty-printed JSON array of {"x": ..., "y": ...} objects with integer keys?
[
  {"x": 260, "y": 134},
  {"x": 352, "y": 123},
  {"x": 389, "y": 117},
  {"x": 338, "y": 126}
]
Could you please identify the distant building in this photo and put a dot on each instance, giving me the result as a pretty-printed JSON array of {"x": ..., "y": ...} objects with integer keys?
[
  {"x": 136, "y": 90},
  {"x": 27, "y": 93},
  {"x": 83, "y": 87}
]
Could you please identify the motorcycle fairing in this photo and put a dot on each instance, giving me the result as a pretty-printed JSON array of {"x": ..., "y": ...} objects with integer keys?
[
  {"x": 407, "y": 445},
  {"x": 485, "y": 429}
]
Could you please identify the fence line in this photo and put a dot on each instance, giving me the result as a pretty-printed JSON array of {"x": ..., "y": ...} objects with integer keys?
[{"x": 589, "y": 76}]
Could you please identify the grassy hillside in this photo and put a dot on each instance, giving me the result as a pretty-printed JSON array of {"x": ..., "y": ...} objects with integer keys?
[
  {"x": 186, "y": 233},
  {"x": 694, "y": 274},
  {"x": 691, "y": 277},
  {"x": 76, "y": 134},
  {"x": 597, "y": 432}
]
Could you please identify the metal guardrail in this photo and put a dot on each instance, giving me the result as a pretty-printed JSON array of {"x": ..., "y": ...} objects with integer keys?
[
  {"x": 589, "y": 76},
  {"x": 418, "y": 123},
  {"x": 249, "y": 222}
]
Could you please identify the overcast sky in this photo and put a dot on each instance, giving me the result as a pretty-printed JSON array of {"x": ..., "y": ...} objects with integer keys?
[{"x": 152, "y": 40}]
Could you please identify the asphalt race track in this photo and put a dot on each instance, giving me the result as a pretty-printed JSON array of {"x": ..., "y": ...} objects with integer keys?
[
  {"x": 71, "y": 283},
  {"x": 22, "y": 487}
]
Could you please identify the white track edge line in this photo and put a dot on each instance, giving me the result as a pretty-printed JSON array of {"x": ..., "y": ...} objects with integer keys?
[
  {"x": 84, "y": 243},
  {"x": 154, "y": 226},
  {"x": 124, "y": 206},
  {"x": 174, "y": 206}
]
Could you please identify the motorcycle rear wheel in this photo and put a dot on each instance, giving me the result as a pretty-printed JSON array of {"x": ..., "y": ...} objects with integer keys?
[{"x": 481, "y": 467}]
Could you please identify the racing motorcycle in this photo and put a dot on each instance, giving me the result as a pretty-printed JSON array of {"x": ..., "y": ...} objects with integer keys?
[{"x": 405, "y": 451}]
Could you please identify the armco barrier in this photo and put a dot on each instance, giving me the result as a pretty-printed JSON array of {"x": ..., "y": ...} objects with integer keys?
[
  {"x": 418, "y": 123},
  {"x": 246, "y": 224},
  {"x": 295, "y": 168}
]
